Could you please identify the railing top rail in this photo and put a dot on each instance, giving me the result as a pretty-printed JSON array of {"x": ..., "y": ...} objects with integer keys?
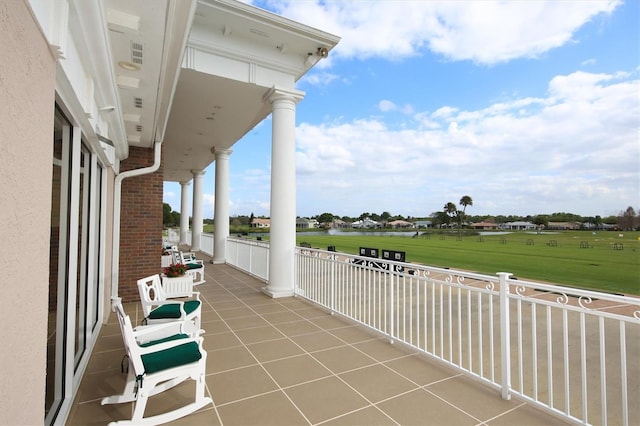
[
  {"x": 530, "y": 290},
  {"x": 574, "y": 292},
  {"x": 248, "y": 242}
]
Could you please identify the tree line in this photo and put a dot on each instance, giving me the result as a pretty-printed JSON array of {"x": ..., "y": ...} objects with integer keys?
[{"x": 627, "y": 219}]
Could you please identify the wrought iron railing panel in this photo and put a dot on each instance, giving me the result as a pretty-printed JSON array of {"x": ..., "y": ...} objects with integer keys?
[{"x": 572, "y": 352}]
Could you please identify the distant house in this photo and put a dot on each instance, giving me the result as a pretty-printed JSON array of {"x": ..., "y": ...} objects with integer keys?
[
  {"x": 260, "y": 223},
  {"x": 564, "y": 226},
  {"x": 365, "y": 223},
  {"x": 304, "y": 223},
  {"x": 400, "y": 224},
  {"x": 518, "y": 226},
  {"x": 340, "y": 224},
  {"x": 484, "y": 225},
  {"x": 423, "y": 224}
]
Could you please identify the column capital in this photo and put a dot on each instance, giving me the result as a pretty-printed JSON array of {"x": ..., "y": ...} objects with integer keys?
[
  {"x": 197, "y": 173},
  {"x": 276, "y": 94},
  {"x": 221, "y": 152},
  {"x": 185, "y": 182}
]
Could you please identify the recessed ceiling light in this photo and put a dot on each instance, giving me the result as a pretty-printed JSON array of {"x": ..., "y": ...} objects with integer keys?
[
  {"x": 210, "y": 118},
  {"x": 128, "y": 66}
]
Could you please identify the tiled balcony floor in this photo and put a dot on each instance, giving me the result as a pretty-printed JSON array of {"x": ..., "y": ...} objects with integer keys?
[{"x": 287, "y": 362}]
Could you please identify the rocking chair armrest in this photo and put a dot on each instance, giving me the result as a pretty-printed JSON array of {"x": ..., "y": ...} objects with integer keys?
[
  {"x": 166, "y": 302},
  {"x": 143, "y": 330},
  {"x": 170, "y": 344}
]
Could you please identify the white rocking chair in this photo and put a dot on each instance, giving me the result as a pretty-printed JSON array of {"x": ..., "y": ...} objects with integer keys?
[
  {"x": 158, "y": 308},
  {"x": 156, "y": 366},
  {"x": 195, "y": 267}
]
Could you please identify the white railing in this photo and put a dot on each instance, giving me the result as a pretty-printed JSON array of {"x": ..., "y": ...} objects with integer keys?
[
  {"x": 206, "y": 240},
  {"x": 250, "y": 256},
  {"x": 206, "y": 244},
  {"x": 572, "y": 352}
]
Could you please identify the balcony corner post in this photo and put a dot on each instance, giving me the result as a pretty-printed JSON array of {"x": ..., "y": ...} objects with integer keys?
[
  {"x": 392, "y": 311},
  {"x": 333, "y": 286},
  {"x": 505, "y": 339}
]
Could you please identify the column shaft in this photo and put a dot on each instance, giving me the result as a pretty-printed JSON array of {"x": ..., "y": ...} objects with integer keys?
[
  {"x": 184, "y": 214},
  {"x": 282, "y": 239},
  {"x": 196, "y": 220},
  {"x": 221, "y": 215}
]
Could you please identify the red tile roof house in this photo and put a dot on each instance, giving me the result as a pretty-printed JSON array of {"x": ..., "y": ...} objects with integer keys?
[
  {"x": 484, "y": 225},
  {"x": 260, "y": 223},
  {"x": 400, "y": 224}
]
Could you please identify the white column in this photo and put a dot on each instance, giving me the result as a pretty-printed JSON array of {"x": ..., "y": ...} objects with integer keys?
[
  {"x": 184, "y": 214},
  {"x": 221, "y": 210},
  {"x": 282, "y": 239},
  {"x": 196, "y": 216}
]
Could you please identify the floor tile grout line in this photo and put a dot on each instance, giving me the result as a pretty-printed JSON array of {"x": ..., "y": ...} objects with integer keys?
[
  {"x": 337, "y": 375},
  {"x": 357, "y": 410},
  {"x": 522, "y": 403},
  {"x": 308, "y": 353},
  {"x": 426, "y": 389},
  {"x": 213, "y": 401},
  {"x": 262, "y": 367}
]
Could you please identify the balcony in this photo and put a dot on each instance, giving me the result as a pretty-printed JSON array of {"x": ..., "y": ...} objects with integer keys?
[{"x": 290, "y": 362}]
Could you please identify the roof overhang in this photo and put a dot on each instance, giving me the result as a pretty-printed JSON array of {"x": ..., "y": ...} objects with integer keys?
[{"x": 205, "y": 69}]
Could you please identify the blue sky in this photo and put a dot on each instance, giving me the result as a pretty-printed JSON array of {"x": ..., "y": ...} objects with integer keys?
[{"x": 529, "y": 107}]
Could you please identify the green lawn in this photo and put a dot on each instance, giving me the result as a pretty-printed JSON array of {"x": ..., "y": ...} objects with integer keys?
[{"x": 527, "y": 256}]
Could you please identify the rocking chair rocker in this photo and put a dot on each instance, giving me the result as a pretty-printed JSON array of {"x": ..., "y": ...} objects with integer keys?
[{"x": 156, "y": 366}]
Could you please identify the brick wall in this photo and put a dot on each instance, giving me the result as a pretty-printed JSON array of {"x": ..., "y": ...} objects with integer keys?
[{"x": 140, "y": 223}]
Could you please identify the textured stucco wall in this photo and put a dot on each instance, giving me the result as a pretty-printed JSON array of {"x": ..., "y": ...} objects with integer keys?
[{"x": 27, "y": 88}]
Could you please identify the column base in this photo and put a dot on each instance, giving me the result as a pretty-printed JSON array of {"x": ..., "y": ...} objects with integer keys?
[
  {"x": 276, "y": 294},
  {"x": 218, "y": 261}
]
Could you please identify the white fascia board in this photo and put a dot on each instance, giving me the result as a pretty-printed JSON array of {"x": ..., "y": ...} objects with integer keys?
[
  {"x": 239, "y": 66},
  {"x": 89, "y": 25},
  {"x": 226, "y": 28},
  {"x": 179, "y": 19},
  {"x": 68, "y": 100}
]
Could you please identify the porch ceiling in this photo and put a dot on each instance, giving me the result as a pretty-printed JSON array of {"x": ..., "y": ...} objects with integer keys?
[
  {"x": 205, "y": 69},
  {"x": 208, "y": 112}
]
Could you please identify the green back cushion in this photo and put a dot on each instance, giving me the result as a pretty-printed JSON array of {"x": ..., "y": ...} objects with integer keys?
[
  {"x": 173, "y": 310},
  {"x": 172, "y": 357}
]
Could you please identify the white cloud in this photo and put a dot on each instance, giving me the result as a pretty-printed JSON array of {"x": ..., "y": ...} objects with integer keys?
[
  {"x": 320, "y": 78},
  {"x": 485, "y": 32},
  {"x": 576, "y": 149},
  {"x": 386, "y": 105}
]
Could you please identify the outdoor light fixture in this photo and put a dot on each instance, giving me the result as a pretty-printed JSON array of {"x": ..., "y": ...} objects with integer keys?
[
  {"x": 323, "y": 52},
  {"x": 128, "y": 66}
]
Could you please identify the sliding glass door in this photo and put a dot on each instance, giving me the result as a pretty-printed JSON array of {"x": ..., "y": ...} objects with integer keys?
[{"x": 74, "y": 264}]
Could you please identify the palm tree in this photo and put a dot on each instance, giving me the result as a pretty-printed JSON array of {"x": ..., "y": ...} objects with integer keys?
[
  {"x": 464, "y": 202},
  {"x": 451, "y": 210}
]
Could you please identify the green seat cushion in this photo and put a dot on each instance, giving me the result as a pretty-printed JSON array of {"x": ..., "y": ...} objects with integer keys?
[
  {"x": 170, "y": 358},
  {"x": 172, "y": 310},
  {"x": 194, "y": 266},
  {"x": 166, "y": 339}
]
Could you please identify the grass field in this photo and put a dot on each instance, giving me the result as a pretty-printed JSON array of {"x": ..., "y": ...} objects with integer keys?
[{"x": 572, "y": 258}]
